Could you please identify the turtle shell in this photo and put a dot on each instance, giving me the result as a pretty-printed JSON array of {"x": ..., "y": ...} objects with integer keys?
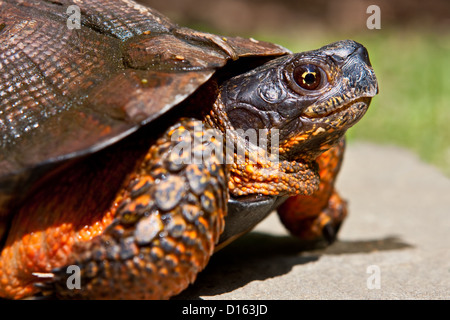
[{"x": 67, "y": 90}]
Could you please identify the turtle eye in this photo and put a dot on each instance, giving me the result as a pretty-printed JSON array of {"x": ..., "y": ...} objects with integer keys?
[{"x": 308, "y": 76}]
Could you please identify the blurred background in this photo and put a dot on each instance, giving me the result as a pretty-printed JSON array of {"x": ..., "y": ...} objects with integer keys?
[{"x": 410, "y": 54}]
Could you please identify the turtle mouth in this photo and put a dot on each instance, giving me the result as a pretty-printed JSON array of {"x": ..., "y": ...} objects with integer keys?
[
  {"x": 332, "y": 107},
  {"x": 340, "y": 117}
]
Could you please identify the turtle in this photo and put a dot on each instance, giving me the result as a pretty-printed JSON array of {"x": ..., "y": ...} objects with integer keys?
[{"x": 132, "y": 149}]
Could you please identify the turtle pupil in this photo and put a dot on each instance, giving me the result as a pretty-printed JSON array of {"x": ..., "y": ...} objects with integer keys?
[{"x": 309, "y": 78}]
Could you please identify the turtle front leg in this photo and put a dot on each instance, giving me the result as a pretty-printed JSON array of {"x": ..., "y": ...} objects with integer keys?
[
  {"x": 318, "y": 216},
  {"x": 168, "y": 217}
]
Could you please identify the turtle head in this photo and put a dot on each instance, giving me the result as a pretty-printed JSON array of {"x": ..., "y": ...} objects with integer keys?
[
  {"x": 303, "y": 103},
  {"x": 310, "y": 98}
]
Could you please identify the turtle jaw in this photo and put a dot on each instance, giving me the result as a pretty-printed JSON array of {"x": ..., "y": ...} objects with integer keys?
[
  {"x": 319, "y": 132},
  {"x": 341, "y": 117},
  {"x": 324, "y": 114}
]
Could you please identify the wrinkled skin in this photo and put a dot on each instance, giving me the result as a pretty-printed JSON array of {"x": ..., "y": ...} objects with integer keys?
[{"x": 138, "y": 223}]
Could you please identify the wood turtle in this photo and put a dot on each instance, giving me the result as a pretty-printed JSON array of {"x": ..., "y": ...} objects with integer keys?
[{"x": 132, "y": 148}]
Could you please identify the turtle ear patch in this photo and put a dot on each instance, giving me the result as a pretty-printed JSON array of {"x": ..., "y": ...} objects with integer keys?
[{"x": 243, "y": 118}]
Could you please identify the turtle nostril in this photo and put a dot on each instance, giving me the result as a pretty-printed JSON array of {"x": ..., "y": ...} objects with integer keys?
[{"x": 362, "y": 53}]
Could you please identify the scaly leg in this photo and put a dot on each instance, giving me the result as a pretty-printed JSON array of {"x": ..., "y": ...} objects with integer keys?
[
  {"x": 319, "y": 216},
  {"x": 157, "y": 233}
]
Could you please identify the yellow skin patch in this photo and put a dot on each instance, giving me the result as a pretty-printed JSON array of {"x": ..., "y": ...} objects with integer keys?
[
  {"x": 284, "y": 178},
  {"x": 289, "y": 144}
]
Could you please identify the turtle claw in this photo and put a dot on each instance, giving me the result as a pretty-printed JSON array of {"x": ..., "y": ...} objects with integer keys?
[
  {"x": 39, "y": 297},
  {"x": 47, "y": 284},
  {"x": 46, "y": 291},
  {"x": 42, "y": 286},
  {"x": 44, "y": 275},
  {"x": 330, "y": 231}
]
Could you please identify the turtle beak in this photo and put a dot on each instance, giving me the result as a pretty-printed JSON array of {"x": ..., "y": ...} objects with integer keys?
[
  {"x": 362, "y": 54},
  {"x": 363, "y": 74},
  {"x": 355, "y": 64}
]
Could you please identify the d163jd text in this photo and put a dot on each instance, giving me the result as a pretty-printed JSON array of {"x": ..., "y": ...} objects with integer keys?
[{"x": 247, "y": 309}]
